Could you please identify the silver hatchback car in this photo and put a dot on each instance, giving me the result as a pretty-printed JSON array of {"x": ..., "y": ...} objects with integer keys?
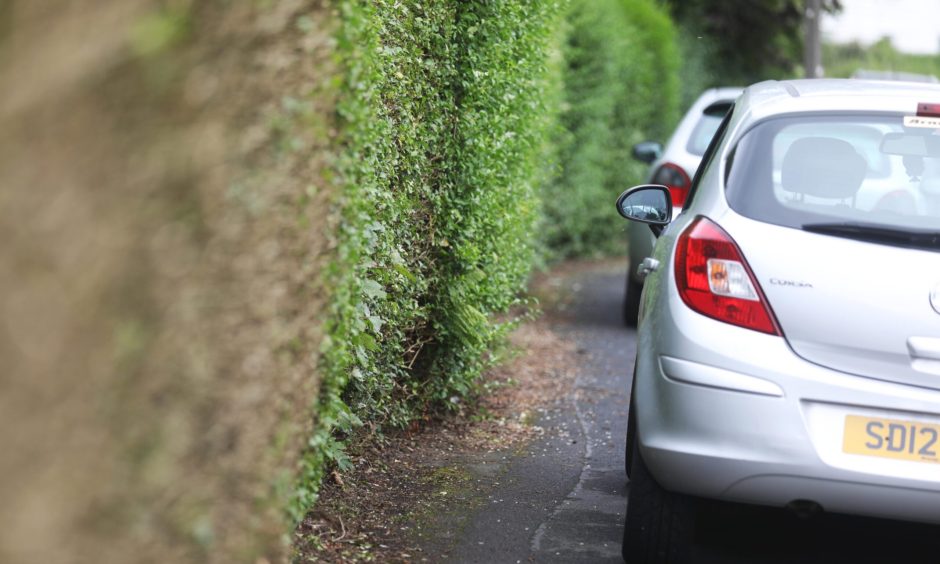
[{"x": 788, "y": 347}]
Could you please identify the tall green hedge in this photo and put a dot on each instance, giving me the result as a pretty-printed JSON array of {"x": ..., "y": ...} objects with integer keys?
[
  {"x": 620, "y": 86},
  {"x": 453, "y": 116},
  {"x": 442, "y": 123}
]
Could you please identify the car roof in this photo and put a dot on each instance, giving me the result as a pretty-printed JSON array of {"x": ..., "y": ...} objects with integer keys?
[
  {"x": 834, "y": 95},
  {"x": 723, "y": 92},
  {"x": 718, "y": 93}
]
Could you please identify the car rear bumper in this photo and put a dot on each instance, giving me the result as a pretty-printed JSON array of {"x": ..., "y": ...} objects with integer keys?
[
  {"x": 732, "y": 414},
  {"x": 752, "y": 484}
]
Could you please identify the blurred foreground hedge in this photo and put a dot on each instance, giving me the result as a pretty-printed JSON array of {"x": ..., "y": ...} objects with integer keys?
[{"x": 163, "y": 208}]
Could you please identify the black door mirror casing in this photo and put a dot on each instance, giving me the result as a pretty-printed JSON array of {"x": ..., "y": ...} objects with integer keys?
[
  {"x": 647, "y": 203},
  {"x": 647, "y": 151}
]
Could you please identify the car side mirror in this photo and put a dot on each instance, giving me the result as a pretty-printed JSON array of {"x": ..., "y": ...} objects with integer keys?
[
  {"x": 647, "y": 151},
  {"x": 647, "y": 203}
]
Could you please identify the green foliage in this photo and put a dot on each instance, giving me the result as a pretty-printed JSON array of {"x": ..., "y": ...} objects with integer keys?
[
  {"x": 453, "y": 114},
  {"x": 443, "y": 124},
  {"x": 654, "y": 84},
  {"x": 697, "y": 70},
  {"x": 843, "y": 60},
  {"x": 160, "y": 30},
  {"x": 751, "y": 41},
  {"x": 620, "y": 86}
]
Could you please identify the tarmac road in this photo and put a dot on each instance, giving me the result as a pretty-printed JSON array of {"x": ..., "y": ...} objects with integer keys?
[{"x": 563, "y": 499}]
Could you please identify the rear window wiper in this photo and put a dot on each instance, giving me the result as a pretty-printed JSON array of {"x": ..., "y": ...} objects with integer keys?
[{"x": 910, "y": 237}]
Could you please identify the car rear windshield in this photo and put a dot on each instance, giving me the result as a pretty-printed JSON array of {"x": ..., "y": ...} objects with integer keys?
[
  {"x": 860, "y": 170},
  {"x": 706, "y": 127}
]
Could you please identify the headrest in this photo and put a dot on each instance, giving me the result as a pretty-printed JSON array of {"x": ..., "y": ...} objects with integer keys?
[{"x": 825, "y": 167}]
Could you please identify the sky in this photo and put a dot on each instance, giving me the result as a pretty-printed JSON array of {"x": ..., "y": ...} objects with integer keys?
[{"x": 913, "y": 25}]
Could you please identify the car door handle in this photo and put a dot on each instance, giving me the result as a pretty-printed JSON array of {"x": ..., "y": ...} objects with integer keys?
[{"x": 648, "y": 265}]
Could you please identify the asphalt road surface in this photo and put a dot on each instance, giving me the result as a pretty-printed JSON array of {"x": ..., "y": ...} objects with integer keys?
[{"x": 563, "y": 499}]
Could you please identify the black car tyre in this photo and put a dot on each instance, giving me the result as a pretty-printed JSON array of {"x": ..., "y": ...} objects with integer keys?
[
  {"x": 660, "y": 525},
  {"x": 631, "y": 301},
  {"x": 631, "y": 433}
]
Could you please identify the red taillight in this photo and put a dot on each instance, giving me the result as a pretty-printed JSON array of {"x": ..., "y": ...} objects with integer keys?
[
  {"x": 673, "y": 177},
  {"x": 714, "y": 279}
]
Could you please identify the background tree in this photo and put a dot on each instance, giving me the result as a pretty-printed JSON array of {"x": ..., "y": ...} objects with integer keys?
[{"x": 747, "y": 41}]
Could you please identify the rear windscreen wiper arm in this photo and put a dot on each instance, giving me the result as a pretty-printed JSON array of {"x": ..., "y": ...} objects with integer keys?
[{"x": 874, "y": 233}]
